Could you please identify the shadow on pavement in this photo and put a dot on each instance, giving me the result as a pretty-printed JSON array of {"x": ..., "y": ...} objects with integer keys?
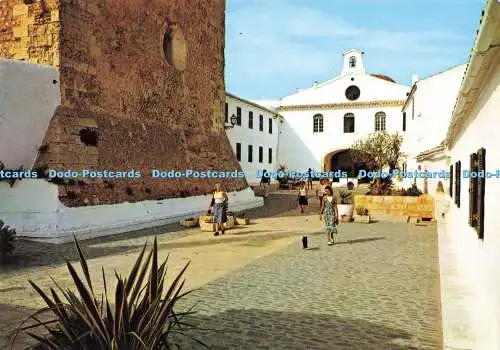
[
  {"x": 258, "y": 329},
  {"x": 11, "y": 317},
  {"x": 67, "y": 252},
  {"x": 262, "y": 329},
  {"x": 29, "y": 254},
  {"x": 362, "y": 240}
]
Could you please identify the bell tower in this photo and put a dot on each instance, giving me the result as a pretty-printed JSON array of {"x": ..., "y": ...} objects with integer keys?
[{"x": 353, "y": 62}]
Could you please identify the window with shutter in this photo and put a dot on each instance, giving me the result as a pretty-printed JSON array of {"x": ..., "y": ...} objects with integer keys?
[
  {"x": 473, "y": 191},
  {"x": 481, "y": 184},
  {"x": 458, "y": 181},
  {"x": 451, "y": 181}
]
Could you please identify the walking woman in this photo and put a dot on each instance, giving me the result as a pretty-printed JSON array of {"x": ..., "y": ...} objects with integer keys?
[
  {"x": 219, "y": 207},
  {"x": 329, "y": 214},
  {"x": 302, "y": 198}
]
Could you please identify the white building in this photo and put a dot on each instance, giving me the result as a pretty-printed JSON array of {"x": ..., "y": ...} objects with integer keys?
[
  {"x": 255, "y": 137},
  {"x": 322, "y": 122},
  {"x": 427, "y": 112},
  {"x": 469, "y": 237}
]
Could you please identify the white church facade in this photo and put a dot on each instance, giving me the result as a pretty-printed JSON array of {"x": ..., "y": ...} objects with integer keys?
[{"x": 322, "y": 121}]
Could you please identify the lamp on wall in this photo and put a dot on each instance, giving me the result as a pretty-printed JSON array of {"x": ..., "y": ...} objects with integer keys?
[{"x": 234, "y": 121}]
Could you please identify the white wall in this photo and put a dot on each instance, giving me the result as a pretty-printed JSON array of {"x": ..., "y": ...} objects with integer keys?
[
  {"x": 333, "y": 91},
  {"x": 478, "y": 262},
  {"x": 28, "y": 99},
  {"x": 43, "y": 217},
  {"x": 301, "y": 148},
  {"x": 429, "y": 113},
  {"x": 246, "y": 136}
]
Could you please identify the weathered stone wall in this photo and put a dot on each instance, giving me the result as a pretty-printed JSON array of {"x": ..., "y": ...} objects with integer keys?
[
  {"x": 152, "y": 103},
  {"x": 30, "y": 32}
]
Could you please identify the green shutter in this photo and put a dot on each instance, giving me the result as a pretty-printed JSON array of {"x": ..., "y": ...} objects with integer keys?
[
  {"x": 481, "y": 158},
  {"x": 451, "y": 181},
  {"x": 473, "y": 191},
  {"x": 459, "y": 182}
]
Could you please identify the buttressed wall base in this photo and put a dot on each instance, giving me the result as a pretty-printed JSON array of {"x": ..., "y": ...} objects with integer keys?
[{"x": 142, "y": 87}]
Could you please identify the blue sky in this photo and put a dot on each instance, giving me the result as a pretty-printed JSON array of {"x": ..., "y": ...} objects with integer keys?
[{"x": 274, "y": 47}]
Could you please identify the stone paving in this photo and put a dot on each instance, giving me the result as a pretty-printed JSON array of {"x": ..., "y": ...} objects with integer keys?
[{"x": 377, "y": 289}]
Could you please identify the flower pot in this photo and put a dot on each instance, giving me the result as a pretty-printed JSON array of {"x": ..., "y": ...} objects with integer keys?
[
  {"x": 345, "y": 218},
  {"x": 345, "y": 209},
  {"x": 189, "y": 222},
  {"x": 242, "y": 221},
  {"x": 206, "y": 223},
  {"x": 362, "y": 219}
]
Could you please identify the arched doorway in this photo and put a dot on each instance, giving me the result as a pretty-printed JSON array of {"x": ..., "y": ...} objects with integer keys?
[{"x": 342, "y": 160}]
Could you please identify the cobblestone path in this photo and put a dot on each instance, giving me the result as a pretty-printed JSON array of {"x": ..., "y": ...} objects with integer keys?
[{"x": 377, "y": 289}]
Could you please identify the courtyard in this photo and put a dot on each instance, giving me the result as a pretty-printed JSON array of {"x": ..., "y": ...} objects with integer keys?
[{"x": 378, "y": 288}]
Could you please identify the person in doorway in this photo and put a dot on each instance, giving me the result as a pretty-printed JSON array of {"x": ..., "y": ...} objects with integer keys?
[
  {"x": 329, "y": 214},
  {"x": 219, "y": 207},
  {"x": 265, "y": 182},
  {"x": 309, "y": 179},
  {"x": 302, "y": 196}
]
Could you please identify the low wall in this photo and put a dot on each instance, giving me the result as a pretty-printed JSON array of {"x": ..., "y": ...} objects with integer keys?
[
  {"x": 404, "y": 206},
  {"x": 34, "y": 209}
]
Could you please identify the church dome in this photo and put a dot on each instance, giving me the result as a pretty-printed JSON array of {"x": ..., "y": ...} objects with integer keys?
[{"x": 384, "y": 77}]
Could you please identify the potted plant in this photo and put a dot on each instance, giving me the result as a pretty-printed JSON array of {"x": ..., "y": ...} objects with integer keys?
[
  {"x": 207, "y": 222},
  {"x": 345, "y": 218},
  {"x": 282, "y": 178},
  {"x": 7, "y": 240},
  {"x": 362, "y": 215},
  {"x": 189, "y": 222},
  {"x": 242, "y": 219}
]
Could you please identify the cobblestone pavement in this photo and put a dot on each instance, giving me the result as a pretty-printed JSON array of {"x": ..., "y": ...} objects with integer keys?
[
  {"x": 31, "y": 254},
  {"x": 377, "y": 289}
]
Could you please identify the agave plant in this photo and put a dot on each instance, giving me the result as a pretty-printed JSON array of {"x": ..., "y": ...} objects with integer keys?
[
  {"x": 7, "y": 238},
  {"x": 143, "y": 316}
]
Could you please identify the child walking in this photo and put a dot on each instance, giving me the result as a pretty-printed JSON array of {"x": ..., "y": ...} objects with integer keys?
[{"x": 329, "y": 214}]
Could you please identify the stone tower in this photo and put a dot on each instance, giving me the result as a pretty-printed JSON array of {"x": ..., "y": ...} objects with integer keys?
[{"x": 141, "y": 84}]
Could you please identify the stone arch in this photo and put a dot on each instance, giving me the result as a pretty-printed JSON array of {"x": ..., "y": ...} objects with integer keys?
[
  {"x": 327, "y": 159},
  {"x": 339, "y": 160}
]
